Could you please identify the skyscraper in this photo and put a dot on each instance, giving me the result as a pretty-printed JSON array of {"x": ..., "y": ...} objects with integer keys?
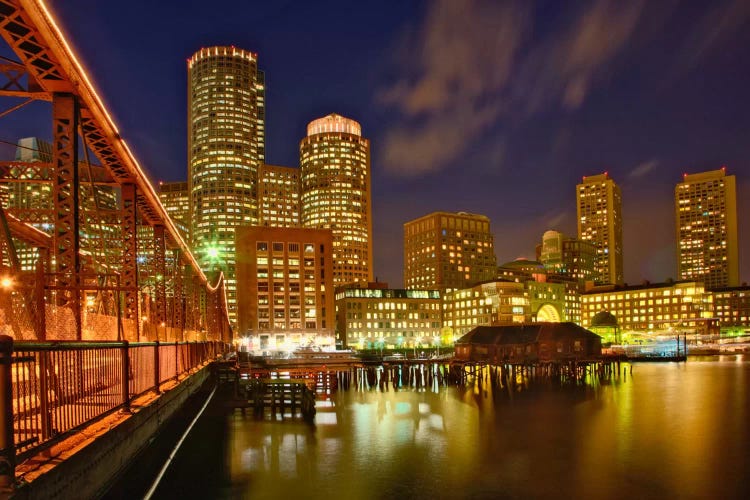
[
  {"x": 336, "y": 193},
  {"x": 176, "y": 200},
  {"x": 279, "y": 196},
  {"x": 600, "y": 222},
  {"x": 706, "y": 223},
  {"x": 226, "y": 137},
  {"x": 448, "y": 250}
]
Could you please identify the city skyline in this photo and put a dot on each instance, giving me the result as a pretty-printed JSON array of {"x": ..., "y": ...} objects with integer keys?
[{"x": 646, "y": 129}]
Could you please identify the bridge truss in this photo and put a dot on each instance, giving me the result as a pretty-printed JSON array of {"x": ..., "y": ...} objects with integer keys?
[{"x": 109, "y": 263}]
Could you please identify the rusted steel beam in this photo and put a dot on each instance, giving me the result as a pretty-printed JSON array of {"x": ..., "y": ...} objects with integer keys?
[
  {"x": 160, "y": 295},
  {"x": 65, "y": 190}
]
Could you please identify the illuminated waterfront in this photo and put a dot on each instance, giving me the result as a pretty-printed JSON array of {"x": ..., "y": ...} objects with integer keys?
[{"x": 669, "y": 429}]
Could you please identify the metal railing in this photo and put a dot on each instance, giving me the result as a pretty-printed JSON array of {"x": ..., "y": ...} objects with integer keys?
[{"x": 48, "y": 390}]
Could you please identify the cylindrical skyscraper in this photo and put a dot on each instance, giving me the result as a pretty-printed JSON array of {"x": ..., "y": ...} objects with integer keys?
[
  {"x": 226, "y": 139},
  {"x": 335, "y": 171}
]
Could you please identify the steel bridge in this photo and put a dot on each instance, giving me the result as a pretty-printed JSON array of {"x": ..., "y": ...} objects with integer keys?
[{"x": 107, "y": 262}]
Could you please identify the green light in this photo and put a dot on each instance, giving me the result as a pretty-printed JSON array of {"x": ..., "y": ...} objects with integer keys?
[{"x": 212, "y": 252}]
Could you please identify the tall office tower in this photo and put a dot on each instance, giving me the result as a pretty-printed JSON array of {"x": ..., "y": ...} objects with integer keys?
[
  {"x": 226, "y": 137},
  {"x": 706, "y": 217},
  {"x": 336, "y": 193},
  {"x": 446, "y": 250},
  {"x": 568, "y": 257},
  {"x": 279, "y": 196},
  {"x": 176, "y": 200},
  {"x": 600, "y": 222}
]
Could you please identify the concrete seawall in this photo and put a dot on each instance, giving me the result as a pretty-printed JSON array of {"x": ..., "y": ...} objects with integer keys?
[{"x": 86, "y": 469}]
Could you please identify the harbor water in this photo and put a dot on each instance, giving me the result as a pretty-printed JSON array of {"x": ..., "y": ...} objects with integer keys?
[{"x": 666, "y": 430}]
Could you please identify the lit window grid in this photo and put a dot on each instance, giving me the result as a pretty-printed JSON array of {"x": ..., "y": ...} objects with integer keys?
[
  {"x": 335, "y": 194},
  {"x": 226, "y": 103},
  {"x": 446, "y": 250},
  {"x": 706, "y": 229},
  {"x": 651, "y": 308},
  {"x": 395, "y": 322}
]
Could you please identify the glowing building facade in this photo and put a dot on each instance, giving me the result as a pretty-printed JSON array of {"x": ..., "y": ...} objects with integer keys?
[
  {"x": 285, "y": 290},
  {"x": 600, "y": 223},
  {"x": 732, "y": 309},
  {"x": 496, "y": 302},
  {"x": 336, "y": 193},
  {"x": 279, "y": 196},
  {"x": 226, "y": 137},
  {"x": 706, "y": 220},
  {"x": 371, "y": 318},
  {"x": 652, "y": 307},
  {"x": 27, "y": 192},
  {"x": 176, "y": 200},
  {"x": 445, "y": 250},
  {"x": 568, "y": 257}
]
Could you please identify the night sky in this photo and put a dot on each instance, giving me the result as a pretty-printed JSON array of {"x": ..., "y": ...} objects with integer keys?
[{"x": 492, "y": 107}]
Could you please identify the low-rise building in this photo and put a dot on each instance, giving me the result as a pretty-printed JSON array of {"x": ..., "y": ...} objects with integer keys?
[
  {"x": 732, "y": 309},
  {"x": 528, "y": 342},
  {"x": 376, "y": 317},
  {"x": 284, "y": 287},
  {"x": 494, "y": 302},
  {"x": 652, "y": 307}
]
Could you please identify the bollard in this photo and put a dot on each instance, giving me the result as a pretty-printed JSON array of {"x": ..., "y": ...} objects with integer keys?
[{"x": 7, "y": 446}]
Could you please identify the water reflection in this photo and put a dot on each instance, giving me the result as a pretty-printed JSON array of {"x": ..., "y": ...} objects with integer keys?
[{"x": 669, "y": 429}]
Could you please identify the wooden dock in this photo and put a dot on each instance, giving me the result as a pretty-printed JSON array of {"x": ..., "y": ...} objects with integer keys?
[{"x": 279, "y": 397}]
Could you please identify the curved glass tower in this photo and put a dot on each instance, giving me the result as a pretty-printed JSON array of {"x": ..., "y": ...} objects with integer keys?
[
  {"x": 335, "y": 178},
  {"x": 226, "y": 132}
]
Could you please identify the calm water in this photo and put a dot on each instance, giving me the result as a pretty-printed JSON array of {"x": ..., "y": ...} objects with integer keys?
[{"x": 668, "y": 430}]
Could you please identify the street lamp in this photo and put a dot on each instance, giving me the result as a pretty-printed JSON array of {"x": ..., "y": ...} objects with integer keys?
[{"x": 7, "y": 282}]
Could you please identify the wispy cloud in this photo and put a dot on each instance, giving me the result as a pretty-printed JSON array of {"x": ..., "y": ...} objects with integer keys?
[
  {"x": 722, "y": 20},
  {"x": 642, "y": 169},
  {"x": 475, "y": 62}
]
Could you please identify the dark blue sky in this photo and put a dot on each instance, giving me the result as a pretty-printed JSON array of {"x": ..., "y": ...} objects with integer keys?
[{"x": 490, "y": 107}]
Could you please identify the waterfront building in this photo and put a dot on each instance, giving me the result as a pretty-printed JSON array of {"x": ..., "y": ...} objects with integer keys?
[
  {"x": 336, "y": 193},
  {"x": 495, "y": 302},
  {"x": 226, "y": 147},
  {"x": 552, "y": 297},
  {"x": 568, "y": 257},
  {"x": 285, "y": 295},
  {"x": 176, "y": 200},
  {"x": 652, "y": 307},
  {"x": 375, "y": 317},
  {"x": 528, "y": 343},
  {"x": 599, "y": 213},
  {"x": 732, "y": 309},
  {"x": 279, "y": 196},
  {"x": 446, "y": 250},
  {"x": 706, "y": 225}
]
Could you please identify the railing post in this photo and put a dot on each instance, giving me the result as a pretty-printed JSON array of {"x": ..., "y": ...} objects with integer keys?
[
  {"x": 44, "y": 380},
  {"x": 157, "y": 374},
  {"x": 176, "y": 361},
  {"x": 125, "y": 353},
  {"x": 7, "y": 446}
]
